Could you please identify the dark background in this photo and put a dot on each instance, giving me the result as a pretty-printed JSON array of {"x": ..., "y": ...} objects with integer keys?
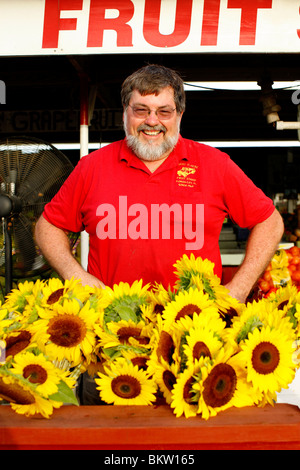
[{"x": 43, "y": 92}]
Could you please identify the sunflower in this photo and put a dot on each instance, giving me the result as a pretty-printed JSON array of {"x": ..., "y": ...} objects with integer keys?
[
  {"x": 56, "y": 290},
  {"x": 187, "y": 303},
  {"x": 208, "y": 318},
  {"x": 40, "y": 406},
  {"x": 128, "y": 332},
  {"x": 139, "y": 359},
  {"x": 124, "y": 301},
  {"x": 21, "y": 299},
  {"x": 158, "y": 297},
  {"x": 66, "y": 331},
  {"x": 37, "y": 370},
  {"x": 184, "y": 397},
  {"x": 201, "y": 342},
  {"x": 229, "y": 308},
  {"x": 17, "y": 340},
  {"x": 165, "y": 375},
  {"x": 283, "y": 297},
  {"x": 268, "y": 356},
  {"x": 211, "y": 285},
  {"x": 149, "y": 313},
  {"x": 167, "y": 348},
  {"x": 297, "y": 316},
  {"x": 285, "y": 300},
  {"x": 222, "y": 384},
  {"x": 125, "y": 384},
  {"x": 5, "y": 322},
  {"x": 125, "y": 336},
  {"x": 23, "y": 398},
  {"x": 93, "y": 363},
  {"x": 254, "y": 316},
  {"x": 190, "y": 266}
]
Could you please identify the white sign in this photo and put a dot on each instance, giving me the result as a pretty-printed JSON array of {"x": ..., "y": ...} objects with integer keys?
[{"x": 45, "y": 27}]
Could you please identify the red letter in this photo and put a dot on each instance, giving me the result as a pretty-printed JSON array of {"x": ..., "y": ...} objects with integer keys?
[
  {"x": 298, "y": 30},
  {"x": 210, "y": 23},
  {"x": 249, "y": 18},
  {"x": 182, "y": 24},
  {"x": 98, "y": 23},
  {"x": 53, "y": 23}
]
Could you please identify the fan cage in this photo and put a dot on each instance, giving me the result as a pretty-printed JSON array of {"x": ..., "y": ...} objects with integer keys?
[{"x": 31, "y": 171}]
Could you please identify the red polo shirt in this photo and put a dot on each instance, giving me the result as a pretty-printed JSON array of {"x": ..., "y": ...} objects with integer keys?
[{"x": 140, "y": 222}]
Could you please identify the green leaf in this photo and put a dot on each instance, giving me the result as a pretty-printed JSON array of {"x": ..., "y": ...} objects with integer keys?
[
  {"x": 248, "y": 327},
  {"x": 64, "y": 394},
  {"x": 126, "y": 313}
]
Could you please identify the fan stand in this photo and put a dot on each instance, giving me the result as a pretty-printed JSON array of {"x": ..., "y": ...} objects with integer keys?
[
  {"x": 9, "y": 205},
  {"x": 8, "y": 256}
]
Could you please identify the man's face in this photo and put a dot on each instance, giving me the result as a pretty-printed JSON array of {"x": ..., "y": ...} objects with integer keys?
[{"x": 151, "y": 124}]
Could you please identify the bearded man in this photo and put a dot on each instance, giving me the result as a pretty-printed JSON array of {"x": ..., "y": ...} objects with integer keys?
[{"x": 154, "y": 196}]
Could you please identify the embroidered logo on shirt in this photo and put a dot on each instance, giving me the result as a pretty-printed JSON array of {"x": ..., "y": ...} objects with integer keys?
[{"x": 186, "y": 176}]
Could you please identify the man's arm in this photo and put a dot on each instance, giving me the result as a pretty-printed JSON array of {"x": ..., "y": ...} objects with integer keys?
[
  {"x": 262, "y": 244},
  {"x": 55, "y": 246}
]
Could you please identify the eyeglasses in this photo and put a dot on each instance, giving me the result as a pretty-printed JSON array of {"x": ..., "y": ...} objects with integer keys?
[{"x": 143, "y": 112}]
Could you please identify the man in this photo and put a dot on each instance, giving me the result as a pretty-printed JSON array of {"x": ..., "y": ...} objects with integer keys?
[{"x": 150, "y": 198}]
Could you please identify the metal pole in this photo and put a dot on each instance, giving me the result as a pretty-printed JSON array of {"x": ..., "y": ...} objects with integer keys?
[
  {"x": 84, "y": 148},
  {"x": 282, "y": 125}
]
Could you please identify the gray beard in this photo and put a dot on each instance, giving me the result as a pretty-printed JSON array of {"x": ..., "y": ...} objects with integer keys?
[{"x": 150, "y": 152}]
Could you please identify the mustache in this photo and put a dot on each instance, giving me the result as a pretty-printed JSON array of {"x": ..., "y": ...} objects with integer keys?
[{"x": 158, "y": 127}]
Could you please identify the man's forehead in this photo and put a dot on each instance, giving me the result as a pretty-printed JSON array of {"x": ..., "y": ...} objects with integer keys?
[{"x": 164, "y": 93}]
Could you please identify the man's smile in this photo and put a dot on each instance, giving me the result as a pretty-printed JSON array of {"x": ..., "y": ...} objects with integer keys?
[{"x": 151, "y": 131}]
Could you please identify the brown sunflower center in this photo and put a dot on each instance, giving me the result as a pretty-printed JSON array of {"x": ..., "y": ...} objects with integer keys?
[
  {"x": 282, "y": 305},
  {"x": 265, "y": 358},
  {"x": 14, "y": 393},
  {"x": 126, "y": 332},
  {"x": 228, "y": 316},
  {"x": 55, "y": 296},
  {"x": 165, "y": 348},
  {"x": 140, "y": 361},
  {"x": 159, "y": 309},
  {"x": 219, "y": 386},
  {"x": 187, "y": 311},
  {"x": 169, "y": 379},
  {"x": 16, "y": 344},
  {"x": 187, "y": 390},
  {"x": 35, "y": 373},
  {"x": 66, "y": 330},
  {"x": 126, "y": 386},
  {"x": 200, "y": 350}
]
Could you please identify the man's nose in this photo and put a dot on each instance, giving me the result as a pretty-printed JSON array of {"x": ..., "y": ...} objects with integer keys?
[{"x": 152, "y": 118}]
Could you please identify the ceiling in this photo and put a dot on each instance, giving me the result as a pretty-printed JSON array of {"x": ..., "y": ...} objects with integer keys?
[{"x": 43, "y": 92}]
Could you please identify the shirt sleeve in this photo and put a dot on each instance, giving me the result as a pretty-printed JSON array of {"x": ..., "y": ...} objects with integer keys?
[
  {"x": 64, "y": 210},
  {"x": 246, "y": 203}
]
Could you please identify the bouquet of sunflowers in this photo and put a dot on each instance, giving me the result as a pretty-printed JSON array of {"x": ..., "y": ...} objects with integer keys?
[{"x": 194, "y": 348}]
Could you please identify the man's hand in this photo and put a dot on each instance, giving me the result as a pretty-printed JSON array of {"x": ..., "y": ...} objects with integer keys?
[
  {"x": 88, "y": 279},
  {"x": 55, "y": 246}
]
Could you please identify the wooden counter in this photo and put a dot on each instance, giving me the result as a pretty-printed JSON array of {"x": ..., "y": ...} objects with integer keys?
[{"x": 120, "y": 427}]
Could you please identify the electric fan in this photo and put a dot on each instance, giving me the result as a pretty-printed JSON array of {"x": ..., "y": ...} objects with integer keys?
[{"x": 31, "y": 172}]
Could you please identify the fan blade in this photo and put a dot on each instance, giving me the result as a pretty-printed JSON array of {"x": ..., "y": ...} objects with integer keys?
[{"x": 42, "y": 184}]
